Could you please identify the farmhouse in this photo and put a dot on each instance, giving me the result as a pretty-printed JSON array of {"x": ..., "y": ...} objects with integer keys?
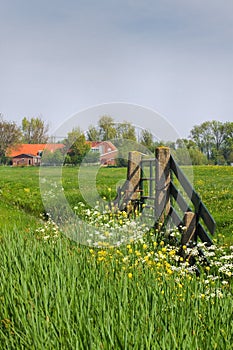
[
  {"x": 108, "y": 152},
  {"x": 30, "y": 154}
]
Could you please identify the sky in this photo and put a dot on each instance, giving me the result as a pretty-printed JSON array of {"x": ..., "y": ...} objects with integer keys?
[{"x": 60, "y": 57}]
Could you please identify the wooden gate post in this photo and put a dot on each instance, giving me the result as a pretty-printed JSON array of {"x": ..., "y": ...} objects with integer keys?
[
  {"x": 134, "y": 173},
  {"x": 190, "y": 222},
  {"x": 162, "y": 193}
]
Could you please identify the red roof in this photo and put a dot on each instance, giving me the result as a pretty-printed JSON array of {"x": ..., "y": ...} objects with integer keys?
[
  {"x": 33, "y": 149},
  {"x": 95, "y": 144}
]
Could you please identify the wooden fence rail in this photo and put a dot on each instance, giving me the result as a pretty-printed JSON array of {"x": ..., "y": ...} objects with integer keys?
[{"x": 163, "y": 198}]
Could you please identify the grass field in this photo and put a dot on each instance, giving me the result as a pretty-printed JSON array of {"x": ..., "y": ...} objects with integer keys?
[
  {"x": 57, "y": 294},
  {"x": 19, "y": 188}
]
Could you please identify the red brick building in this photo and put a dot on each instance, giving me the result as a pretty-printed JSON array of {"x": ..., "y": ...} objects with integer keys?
[
  {"x": 108, "y": 152},
  {"x": 30, "y": 154}
]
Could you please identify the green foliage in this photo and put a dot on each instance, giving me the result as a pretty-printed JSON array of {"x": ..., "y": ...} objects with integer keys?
[
  {"x": 93, "y": 134},
  {"x": 34, "y": 130},
  {"x": 107, "y": 128},
  {"x": 77, "y": 147},
  {"x": 125, "y": 131},
  {"x": 53, "y": 158},
  {"x": 92, "y": 157},
  {"x": 10, "y": 136},
  {"x": 146, "y": 139},
  {"x": 190, "y": 156},
  {"x": 215, "y": 140}
]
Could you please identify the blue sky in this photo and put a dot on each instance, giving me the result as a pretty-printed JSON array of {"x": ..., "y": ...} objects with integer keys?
[{"x": 59, "y": 57}]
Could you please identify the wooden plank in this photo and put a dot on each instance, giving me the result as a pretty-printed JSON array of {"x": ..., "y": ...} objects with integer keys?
[
  {"x": 181, "y": 177},
  {"x": 207, "y": 218},
  {"x": 202, "y": 234},
  {"x": 200, "y": 208},
  {"x": 175, "y": 217},
  {"x": 192, "y": 195},
  {"x": 179, "y": 198}
]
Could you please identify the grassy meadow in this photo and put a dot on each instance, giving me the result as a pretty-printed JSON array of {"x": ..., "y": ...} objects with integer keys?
[{"x": 58, "y": 294}]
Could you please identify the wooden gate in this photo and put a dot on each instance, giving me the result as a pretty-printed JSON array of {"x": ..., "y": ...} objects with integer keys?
[{"x": 151, "y": 188}]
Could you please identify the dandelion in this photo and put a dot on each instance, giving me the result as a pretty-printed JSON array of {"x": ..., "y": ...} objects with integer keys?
[{"x": 130, "y": 275}]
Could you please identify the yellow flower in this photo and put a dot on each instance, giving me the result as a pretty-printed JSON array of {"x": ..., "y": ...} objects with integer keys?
[
  {"x": 144, "y": 246},
  {"x": 100, "y": 258},
  {"x": 172, "y": 252},
  {"x": 155, "y": 244},
  {"x": 130, "y": 275}
]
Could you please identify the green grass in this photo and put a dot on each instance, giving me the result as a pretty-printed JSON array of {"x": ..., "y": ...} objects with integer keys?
[
  {"x": 62, "y": 296},
  {"x": 56, "y": 294},
  {"x": 19, "y": 188}
]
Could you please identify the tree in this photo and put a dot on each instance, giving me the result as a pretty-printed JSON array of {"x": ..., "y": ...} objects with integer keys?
[
  {"x": 203, "y": 137},
  {"x": 146, "y": 139},
  {"x": 107, "y": 128},
  {"x": 34, "y": 130},
  {"x": 77, "y": 146},
  {"x": 53, "y": 158},
  {"x": 92, "y": 157},
  {"x": 10, "y": 136},
  {"x": 214, "y": 139},
  {"x": 125, "y": 131},
  {"x": 228, "y": 143},
  {"x": 93, "y": 133}
]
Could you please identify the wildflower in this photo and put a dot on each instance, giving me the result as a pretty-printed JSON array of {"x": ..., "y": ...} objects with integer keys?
[
  {"x": 130, "y": 275},
  {"x": 172, "y": 252}
]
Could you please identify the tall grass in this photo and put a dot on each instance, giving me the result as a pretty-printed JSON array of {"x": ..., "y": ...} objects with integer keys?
[{"x": 57, "y": 295}]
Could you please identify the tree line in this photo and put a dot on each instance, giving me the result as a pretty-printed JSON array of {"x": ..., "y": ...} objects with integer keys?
[{"x": 208, "y": 143}]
